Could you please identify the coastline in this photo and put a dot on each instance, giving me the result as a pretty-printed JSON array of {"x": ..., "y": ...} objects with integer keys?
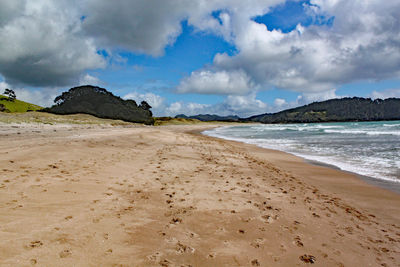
[
  {"x": 381, "y": 183},
  {"x": 363, "y": 185},
  {"x": 384, "y": 184},
  {"x": 88, "y": 195}
]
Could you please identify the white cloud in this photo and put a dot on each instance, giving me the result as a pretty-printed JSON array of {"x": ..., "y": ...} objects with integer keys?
[
  {"x": 279, "y": 102},
  {"x": 221, "y": 82},
  {"x": 243, "y": 106},
  {"x": 149, "y": 26},
  {"x": 188, "y": 109},
  {"x": 307, "y": 98},
  {"x": 42, "y": 98},
  {"x": 388, "y": 93},
  {"x": 157, "y": 102},
  {"x": 88, "y": 79},
  {"x": 41, "y": 44},
  {"x": 233, "y": 105},
  {"x": 362, "y": 44},
  {"x": 53, "y": 43}
]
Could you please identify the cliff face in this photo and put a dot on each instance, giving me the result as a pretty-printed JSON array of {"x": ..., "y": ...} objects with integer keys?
[
  {"x": 345, "y": 109},
  {"x": 99, "y": 102}
]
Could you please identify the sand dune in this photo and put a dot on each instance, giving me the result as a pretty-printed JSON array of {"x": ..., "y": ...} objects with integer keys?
[{"x": 166, "y": 196}]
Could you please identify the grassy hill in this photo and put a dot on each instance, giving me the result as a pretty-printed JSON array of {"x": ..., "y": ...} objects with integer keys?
[{"x": 18, "y": 105}]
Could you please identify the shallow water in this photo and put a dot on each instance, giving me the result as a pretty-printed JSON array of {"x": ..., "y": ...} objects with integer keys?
[{"x": 367, "y": 148}]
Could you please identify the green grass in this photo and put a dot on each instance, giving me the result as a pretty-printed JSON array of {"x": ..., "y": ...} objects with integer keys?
[{"x": 18, "y": 105}]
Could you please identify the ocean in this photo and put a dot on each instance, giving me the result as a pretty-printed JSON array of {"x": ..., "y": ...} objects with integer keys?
[{"x": 369, "y": 149}]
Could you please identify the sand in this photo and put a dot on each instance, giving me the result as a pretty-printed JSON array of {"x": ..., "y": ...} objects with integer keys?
[{"x": 88, "y": 195}]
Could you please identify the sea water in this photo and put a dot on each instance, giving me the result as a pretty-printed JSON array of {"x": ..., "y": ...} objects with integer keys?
[{"x": 367, "y": 148}]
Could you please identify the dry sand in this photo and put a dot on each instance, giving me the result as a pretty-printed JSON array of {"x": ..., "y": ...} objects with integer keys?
[{"x": 164, "y": 196}]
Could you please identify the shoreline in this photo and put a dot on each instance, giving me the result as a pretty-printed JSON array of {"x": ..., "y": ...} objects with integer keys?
[
  {"x": 88, "y": 195},
  {"x": 347, "y": 178},
  {"x": 381, "y": 183}
]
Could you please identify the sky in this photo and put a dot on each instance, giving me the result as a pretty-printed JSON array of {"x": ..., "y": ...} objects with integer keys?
[{"x": 225, "y": 57}]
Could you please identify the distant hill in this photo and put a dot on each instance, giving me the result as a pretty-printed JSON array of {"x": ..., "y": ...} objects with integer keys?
[
  {"x": 101, "y": 103},
  {"x": 345, "y": 109},
  {"x": 208, "y": 117},
  {"x": 16, "y": 105}
]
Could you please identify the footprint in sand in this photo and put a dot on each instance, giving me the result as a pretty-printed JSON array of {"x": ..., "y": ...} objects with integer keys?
[
  {"x": 155, "y": 256},
  {"x": 165, "y": 263},
  {"x": 257, "y": 243},
  {"x": 298, "y": 242},
  {"x": 65, "y": 253},
  {"x": 176, "y": 220},
  {"x": 181, "y": 248},
  {"x": 307, "y": 258},
  {"x": 35, "y": 244}
]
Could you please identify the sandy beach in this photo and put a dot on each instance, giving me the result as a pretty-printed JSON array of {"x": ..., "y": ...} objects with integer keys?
[{"x": 90, "y": 195}]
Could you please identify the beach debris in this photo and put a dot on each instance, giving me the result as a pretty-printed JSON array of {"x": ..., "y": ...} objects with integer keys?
[
  {"x": 307, "y": 258},
  {"x": 255, "y": 262}
]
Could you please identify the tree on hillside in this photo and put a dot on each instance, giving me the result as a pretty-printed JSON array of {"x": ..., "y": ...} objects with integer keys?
[
  {"x": 144, "y": 105},
  {"x": 10, "y": 93}
]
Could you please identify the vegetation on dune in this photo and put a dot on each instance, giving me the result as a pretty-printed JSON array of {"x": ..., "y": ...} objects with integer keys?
[
  {"x": 52, "y": 119},
  {"x": 209, "y": 117},
  {"x": 158, "y": 121}
]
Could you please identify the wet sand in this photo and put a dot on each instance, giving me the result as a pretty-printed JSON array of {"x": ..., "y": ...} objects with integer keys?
[{"x": 166, "y": 196}]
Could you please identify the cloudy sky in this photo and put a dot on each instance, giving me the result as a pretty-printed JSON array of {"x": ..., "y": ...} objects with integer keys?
[{"x": 202, "y": 56}]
